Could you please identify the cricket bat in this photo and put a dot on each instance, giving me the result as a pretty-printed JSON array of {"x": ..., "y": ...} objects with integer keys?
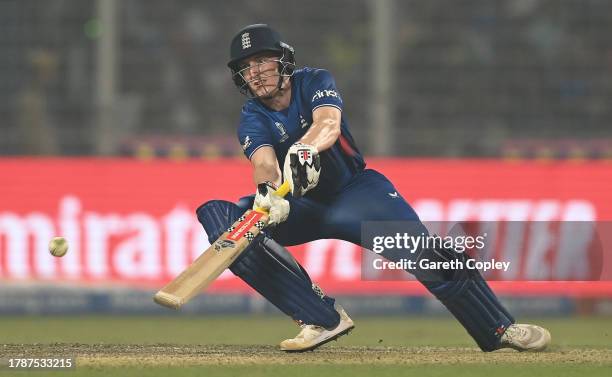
[{"x": 219, "y": 256}]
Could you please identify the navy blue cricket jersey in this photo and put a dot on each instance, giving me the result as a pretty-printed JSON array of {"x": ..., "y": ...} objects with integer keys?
[{"x": 261, "y": 126}]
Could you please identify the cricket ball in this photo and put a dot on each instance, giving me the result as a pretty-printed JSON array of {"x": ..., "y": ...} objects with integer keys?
[{"x": 58, "y": 246}]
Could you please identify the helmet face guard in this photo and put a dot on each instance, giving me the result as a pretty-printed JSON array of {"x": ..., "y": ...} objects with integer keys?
[
  {"x": 253, "y": 40},
  {"x": 286, "y": 67}
]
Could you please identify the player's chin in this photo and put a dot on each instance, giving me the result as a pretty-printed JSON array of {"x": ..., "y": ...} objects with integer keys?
[{"x": 265, "y": 92}]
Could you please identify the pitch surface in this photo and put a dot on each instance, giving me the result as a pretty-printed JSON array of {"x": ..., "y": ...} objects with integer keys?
[{"x": 185, "y": 346}]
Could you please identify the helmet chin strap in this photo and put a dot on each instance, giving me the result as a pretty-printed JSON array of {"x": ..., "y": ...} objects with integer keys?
[{"x": 281, "y": 78}]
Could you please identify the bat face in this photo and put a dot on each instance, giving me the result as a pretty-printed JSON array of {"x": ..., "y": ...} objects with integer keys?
[
  {"x": 223, "y": 244},
  {"x": 208, "y": 266},
  {"x": 219, "y": 256}
]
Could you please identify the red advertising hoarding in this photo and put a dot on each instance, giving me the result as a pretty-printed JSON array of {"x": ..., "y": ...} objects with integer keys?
[{"x": 133, "y": 222}]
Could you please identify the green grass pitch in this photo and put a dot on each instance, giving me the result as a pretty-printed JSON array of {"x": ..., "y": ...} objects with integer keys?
[{"x": 246, "y": 345}]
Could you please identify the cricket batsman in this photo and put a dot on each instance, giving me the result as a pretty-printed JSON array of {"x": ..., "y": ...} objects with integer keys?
[{"x": 292, "y": 128}]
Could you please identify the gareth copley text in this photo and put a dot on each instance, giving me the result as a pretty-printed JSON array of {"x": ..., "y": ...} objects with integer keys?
[{"x": 426, "y": 264}]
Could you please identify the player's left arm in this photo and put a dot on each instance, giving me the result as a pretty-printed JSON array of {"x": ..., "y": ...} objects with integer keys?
[
  {"x": 302, "y": 165},
  {"x": 325, "y": 128}
]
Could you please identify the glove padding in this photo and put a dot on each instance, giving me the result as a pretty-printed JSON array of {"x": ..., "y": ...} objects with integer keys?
[
  {"x": 277, "y": 207},
  {"x": 302, "y": 168}
]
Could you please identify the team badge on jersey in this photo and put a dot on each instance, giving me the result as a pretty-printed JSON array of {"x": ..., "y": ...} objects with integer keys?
[{"x": 282, "y": 131}]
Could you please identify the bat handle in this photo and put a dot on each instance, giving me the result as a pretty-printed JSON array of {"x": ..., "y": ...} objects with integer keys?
[{"x": 282, "y": 191}]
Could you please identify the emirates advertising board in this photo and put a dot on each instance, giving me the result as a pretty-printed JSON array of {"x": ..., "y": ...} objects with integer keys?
[{"x": 544, "y": 226}]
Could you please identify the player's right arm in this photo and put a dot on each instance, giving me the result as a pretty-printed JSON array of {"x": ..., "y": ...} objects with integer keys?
[
  {"x": 267, "y": 177},
  {"x": 265, "y": 166},
  {"x": 257, "y": 144}
]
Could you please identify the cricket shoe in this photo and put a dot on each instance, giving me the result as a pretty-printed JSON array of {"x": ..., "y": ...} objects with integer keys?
[
  {"x": 313, "y": 336},
  {"x": 523, "y": 337}
]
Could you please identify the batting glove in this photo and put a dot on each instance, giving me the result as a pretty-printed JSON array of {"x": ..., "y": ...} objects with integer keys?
[
  {"x": 277, "y": 207},
  {"x": 302, "y": 168}
]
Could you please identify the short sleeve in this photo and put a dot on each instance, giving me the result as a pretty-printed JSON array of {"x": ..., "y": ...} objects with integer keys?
[
  {"x": 321, "y": 90},
  {"x": 252, "y": 134}
]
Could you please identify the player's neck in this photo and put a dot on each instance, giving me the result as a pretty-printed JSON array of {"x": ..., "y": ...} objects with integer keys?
[{"x": 281, "y": 100}]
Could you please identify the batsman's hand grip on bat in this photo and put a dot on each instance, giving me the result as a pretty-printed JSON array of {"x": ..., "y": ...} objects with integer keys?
[{"x": 271, "y": 202}]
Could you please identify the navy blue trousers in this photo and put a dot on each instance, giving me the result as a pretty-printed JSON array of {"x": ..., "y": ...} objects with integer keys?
[{"x": 370, "y": 196}]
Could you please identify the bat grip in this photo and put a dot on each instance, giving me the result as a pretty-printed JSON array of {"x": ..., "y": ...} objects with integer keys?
[{"x": 282, "y": 191}]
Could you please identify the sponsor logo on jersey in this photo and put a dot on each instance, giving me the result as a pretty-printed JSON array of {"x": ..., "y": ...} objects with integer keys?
[
  {"x": 325, "y": 93},
  {"x": 394, "y": 195},
  {"x": 246, "y": 143},
  {"x": 246, "y": 40},
  {"x": 282, "y": 131},
  {"x": 303, "y": 122}
]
